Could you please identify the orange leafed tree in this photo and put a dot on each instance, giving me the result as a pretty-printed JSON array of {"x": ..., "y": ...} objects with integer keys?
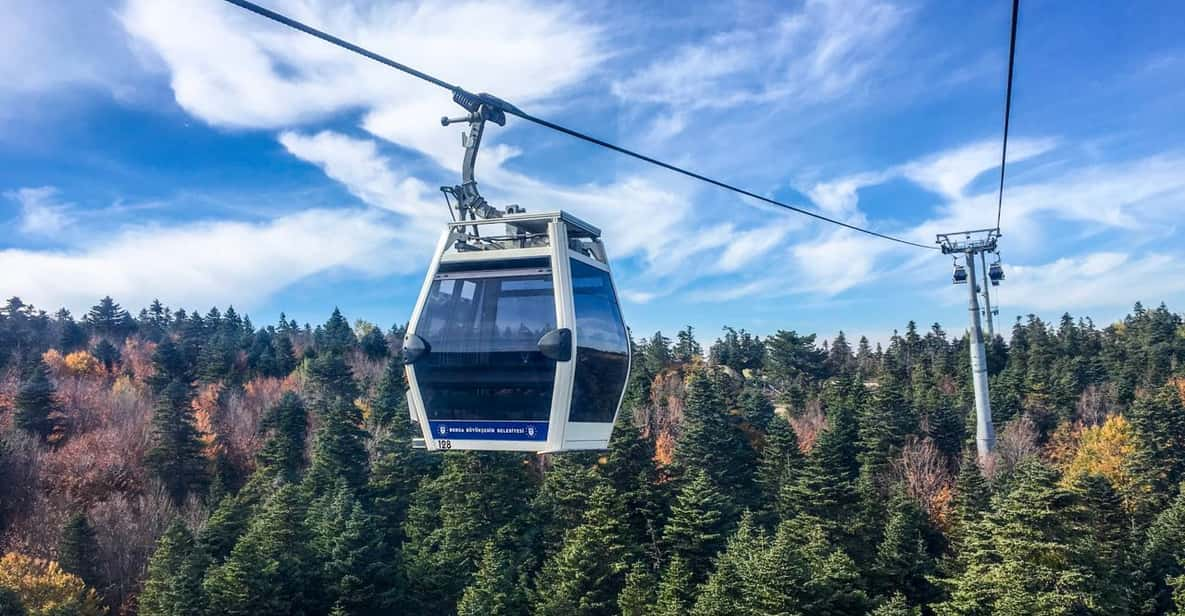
[{"x": 44, "y": 588}]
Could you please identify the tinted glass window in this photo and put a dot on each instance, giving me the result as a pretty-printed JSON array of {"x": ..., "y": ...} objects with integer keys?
[
  {"x": 484, "y": 363},
  {"x": 602, "y": 361}
]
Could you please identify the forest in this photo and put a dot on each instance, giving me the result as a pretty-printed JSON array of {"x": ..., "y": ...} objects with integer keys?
[{"x": 179, "y": 463}]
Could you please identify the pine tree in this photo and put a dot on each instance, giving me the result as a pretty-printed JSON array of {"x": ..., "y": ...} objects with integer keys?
[
  {"x": 72, "y": 337},
  {"x": 335, "y": 336},
  {"x": 712, "y": 443},
  {"x": 356, "y": 571},
  {"x": 271, "y": 569},
  {"x": 631, "y": 471},
  {"x": 563, "y": 497},
  {"x": 78, "y": 551},
  {"x": 282, "y": 454},
  {"x": 756, "y": 408},
  {"x": 586, "y": 574},
  {"x": 173, "y": 586},
  {"x": 725, "y": 592},
  {"x": 496, "y": 589},
  {"x": 637, "y": 597},
  {"x": 36, "y": 402},
  {"x": 686, "y": 347},
  {"x": 1162, "y": 559},
  {"x": 1159, "y": 422},
  {"x": 374, "y": 345},
  {"x": 107, "y": 318},
  {"x": 1105, "y": 526},
  {"x": 676, "y": 590},
  {"x": 826, "y": 486},
  {"x": 905, "y": 559},
  {"x": 168, "y": 365},
  {"x": 781, "y": 461},
  {"x": 227, "y": 523},
  {"x": 390, "y": 402},
  {"x": 340, "y": 449},
  {"x": 699, "y": 525},
  {"x": 1027, "y": 556},
  {"x": 971, "y": 498},
  {"x": 107, "y": 354},
  {"x": 176, "y": 453},
  {"x": 452, "y": 516},
  {"x": 896, "y": 606}
]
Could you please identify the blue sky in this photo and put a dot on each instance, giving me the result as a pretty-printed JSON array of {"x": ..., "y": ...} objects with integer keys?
[{"x": 199, "y": 154}]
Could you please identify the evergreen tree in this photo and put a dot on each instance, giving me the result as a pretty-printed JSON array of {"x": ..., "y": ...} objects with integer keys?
[
  {"x": 676, "y": 590},
  {"x": 271, "y": 570},
  {"x": 389, "y": 404},
  {"x": 756, "y": 409},
  {"x": 340, "y": 449},
  {"x": 496, "y": 589},
  {"x": 1159, "y": 422},
  {"x": 1162, "y": 559},
  {"x": 36, "y": 402},
  {"x": 174, "y": 583},
  {"x": 335, "y": 336},
  {"x": 637, "y": 598},
  {"x": 586, "y": 575},
  {"x": 1027, "y": 556},
  {"x": 73, "y": 337},
  {"x": 107, "y": 318},
  {"x": 107, "y": 354},
  {"x": 905, "y": 559},
  {"x": 658, "y": 353},
  {"x": 168, "y": 365},
  {"x": 781, "y": 461},
  {"x": 712, "y": 443},
  {"x": 356, "y": 573},
  {"x": 78, "y": 551},
  {"x": 282, "y": 454},
  {"x": 971, "y": 497},
  {"x": 686, "y": 347},
  {"x": 699, "y": 525},
  {"x": 631, "y": 471},
  {"x": 896, "y": 606},
  {"x": 176, "y": 453},
  {"x": 563, "y": 497},
  {"x": 826, "y": 487},
  {"x": 725, "y": 592},
  {"x": 374, "y": 345},
  {"x": 227, "y": 523},
  {"x": 452, "y": 516}
]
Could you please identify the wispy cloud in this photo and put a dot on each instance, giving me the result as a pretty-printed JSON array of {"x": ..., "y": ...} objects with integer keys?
[
  {"x": 42, "y": 214},
  {"x": 816, "y": 54},
  {"x": 1096, "y": 280}
]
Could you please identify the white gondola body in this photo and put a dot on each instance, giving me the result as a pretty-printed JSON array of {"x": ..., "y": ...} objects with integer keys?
[{"x": 468, "y": 391}]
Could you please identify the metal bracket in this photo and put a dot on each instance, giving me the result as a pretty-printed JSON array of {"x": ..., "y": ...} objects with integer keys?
[{"x": 470, "y": 205}]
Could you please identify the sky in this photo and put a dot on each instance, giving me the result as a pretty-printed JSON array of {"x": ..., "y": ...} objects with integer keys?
[{"x": 196, "y": 153}]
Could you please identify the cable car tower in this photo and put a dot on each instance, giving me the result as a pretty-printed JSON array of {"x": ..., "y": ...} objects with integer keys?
[
  {"x": 517, "y": 342},
  {"x": 975, "y": 245}
]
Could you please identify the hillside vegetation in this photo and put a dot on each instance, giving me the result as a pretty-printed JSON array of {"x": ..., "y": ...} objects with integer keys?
[{"x": 174, "y": 463}]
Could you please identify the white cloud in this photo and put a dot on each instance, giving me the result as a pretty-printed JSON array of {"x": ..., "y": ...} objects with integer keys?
[
  {"x": 47, "y": 45},
  {"x": 41, "y": 212},
  {"x": 948, "y": 173},
  {"x": 232, "y": 68},
  {"x": 1096, "y": 280},
  {"x": 203, "y": 264},
  {"x": 817, "y": 54}
]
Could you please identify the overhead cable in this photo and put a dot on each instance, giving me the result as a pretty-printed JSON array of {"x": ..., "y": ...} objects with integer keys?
[
  {"x": 1007, "y": 110},
  {"x": 515, "y": 111}
]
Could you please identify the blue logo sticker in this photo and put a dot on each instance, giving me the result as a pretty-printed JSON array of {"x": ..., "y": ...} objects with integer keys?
[{"x": 490, "y": 430}]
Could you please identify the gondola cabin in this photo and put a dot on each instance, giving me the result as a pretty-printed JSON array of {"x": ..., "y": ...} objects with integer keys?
[{"x": 517, "y": 342}]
